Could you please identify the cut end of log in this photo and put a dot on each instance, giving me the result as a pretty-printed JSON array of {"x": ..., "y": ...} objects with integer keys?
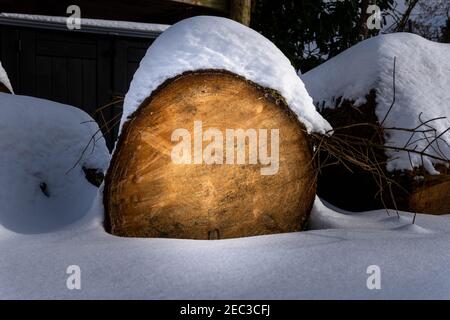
[
  {"x": 432, "y": 195},
  {"x": 173, "y": 173}
]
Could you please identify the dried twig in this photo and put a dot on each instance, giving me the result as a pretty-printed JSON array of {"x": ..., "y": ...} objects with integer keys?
[{"x": 103, "y": 129}]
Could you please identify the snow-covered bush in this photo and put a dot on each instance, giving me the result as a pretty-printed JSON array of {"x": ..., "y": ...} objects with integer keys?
[{"x": 42, "y": 183}]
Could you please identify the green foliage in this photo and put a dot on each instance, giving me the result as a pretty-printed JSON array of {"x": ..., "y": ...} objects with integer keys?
[{"x": 311, "y": 31}]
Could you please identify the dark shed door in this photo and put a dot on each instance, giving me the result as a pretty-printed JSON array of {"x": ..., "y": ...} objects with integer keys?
[
  {"x": 61, "y": 69},
  {"x": 84, "y": 70}
]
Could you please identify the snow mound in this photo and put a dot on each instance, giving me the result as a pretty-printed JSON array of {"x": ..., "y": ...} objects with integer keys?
[
  {"x": 42, "y": 183},
  {"x": 4, "y": 78},
  {"x": 422, "y": 86},
  {"x": 219, "y": 43}
]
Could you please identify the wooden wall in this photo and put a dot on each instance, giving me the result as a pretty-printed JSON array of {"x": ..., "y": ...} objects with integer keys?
[{"x": 80, "y": 69}]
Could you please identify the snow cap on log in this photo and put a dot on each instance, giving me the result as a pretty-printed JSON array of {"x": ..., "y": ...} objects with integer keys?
[
  {"x": 422, "y": 82},
  {"x": 206, "y": 42},
  {"x": 4, "y": 81}
]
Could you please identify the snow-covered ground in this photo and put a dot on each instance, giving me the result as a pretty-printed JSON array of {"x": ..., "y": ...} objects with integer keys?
[
  {"x": 328, "y": 261},
  {"x": 422, "y": 82}
]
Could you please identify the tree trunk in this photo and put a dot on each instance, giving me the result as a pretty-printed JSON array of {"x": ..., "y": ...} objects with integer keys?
[
  {"x": 151, "y": 193},
  {"x": 240, "y": 11}
]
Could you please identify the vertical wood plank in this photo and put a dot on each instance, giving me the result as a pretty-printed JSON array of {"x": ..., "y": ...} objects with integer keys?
[
  {"x": 104, "y": 90},
  {"x": 89, "y": 86},
  {"x": 43, "y": 78},
  {"x": 240, "y": 11},
  {"x": 59, "y": 79},
  {"x": 28, "y": 77},
  {"x": 75, "y": 82}
]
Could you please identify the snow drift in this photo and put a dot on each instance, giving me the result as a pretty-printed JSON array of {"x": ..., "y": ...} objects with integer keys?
[
  {"x": 330, "y": 263},
  {"x": 218, "y": 43},
  {"x": 42, "y": 183},
  {"x": 422, "y": 87},
  {"x": 4, "y": 79}
]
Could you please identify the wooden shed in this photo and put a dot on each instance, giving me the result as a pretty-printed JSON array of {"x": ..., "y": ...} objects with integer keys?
[{"x": 92, "y": 66}]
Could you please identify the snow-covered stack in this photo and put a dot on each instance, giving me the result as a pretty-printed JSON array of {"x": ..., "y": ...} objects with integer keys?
[
  {"x": 5, "y": 84},
  {"x": 173, "y": 174},
  {"x": 47, "y": 158},
  {"x": 358, "y": 86}
]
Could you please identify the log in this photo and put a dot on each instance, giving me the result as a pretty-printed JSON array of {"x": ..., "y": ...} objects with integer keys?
[
  {"x": 432, "y": 195},
  {"x": 148, "y": 194}
]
